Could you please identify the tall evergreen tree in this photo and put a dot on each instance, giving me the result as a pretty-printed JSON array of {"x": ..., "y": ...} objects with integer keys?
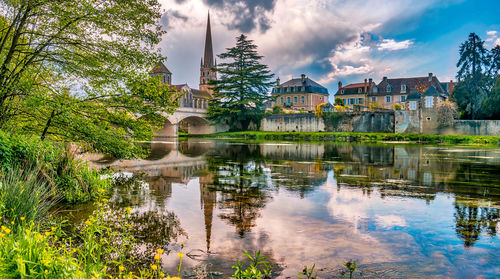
[
  {"x": 494, "y": 58},
  {"x": 473, "y": 58},
  {"x": 472, "y": 76},
  {"x": 242, "y": 88}
]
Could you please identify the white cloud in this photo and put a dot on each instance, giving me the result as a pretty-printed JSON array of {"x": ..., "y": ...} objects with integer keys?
[
  {"x": 492, "y": 33},
  {"x": 391, "y": 44},
  {"x": 492, "y": 40}
]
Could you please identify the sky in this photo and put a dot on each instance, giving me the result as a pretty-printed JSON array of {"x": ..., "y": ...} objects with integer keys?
[{"x": 331, "y": 40}]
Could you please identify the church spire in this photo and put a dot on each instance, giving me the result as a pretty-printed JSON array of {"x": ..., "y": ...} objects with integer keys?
[{"x": 209, "y": 53}]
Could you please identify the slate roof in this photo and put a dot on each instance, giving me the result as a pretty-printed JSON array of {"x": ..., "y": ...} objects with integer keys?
[
  {"x": 160, "y": 68},
  {"x": 179, "y": 87},
  {"x": 432, "y": 91},
  {"x": 311, "y": 86},
  {"x": 200, "y": 94},
  {"x": 410, "y": 83},
  {"x": 414, "y": 95},
  {"x": 351, "y": 89}
]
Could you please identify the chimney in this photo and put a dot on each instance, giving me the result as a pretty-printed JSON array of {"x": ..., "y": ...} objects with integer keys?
[
  {"x": 278, "y": 81},
  {"x": 366, "y": 86},
  {"x": 340, "y": 84},
  {"x": 384, "y": 78},
  {"x": 430, "y": 76},
  {"x": 370, "y": 85},
  {"x": 303, "y": 78}
]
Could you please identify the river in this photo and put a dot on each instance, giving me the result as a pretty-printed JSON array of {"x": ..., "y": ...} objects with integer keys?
[{"x": 401, "y": 211}]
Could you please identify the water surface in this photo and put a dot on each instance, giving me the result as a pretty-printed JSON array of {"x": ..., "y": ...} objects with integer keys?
[{"x": 402, "y": 211}]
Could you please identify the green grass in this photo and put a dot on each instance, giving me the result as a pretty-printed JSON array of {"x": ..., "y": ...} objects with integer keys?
[{"x": 358, "y": 137}]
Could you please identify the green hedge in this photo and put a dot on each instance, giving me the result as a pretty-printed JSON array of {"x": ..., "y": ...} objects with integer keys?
[{"x": 359, "y": 137}]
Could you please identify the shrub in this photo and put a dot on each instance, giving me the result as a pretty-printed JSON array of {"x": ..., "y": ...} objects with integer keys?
[
  {"x": 397, "y": 107},
  {"x": 277, "y": 110},
  {"x": 69, "y": 179},
  {"x": 340, "y": 108},
  {"x": 375, "y": 106},
  {"x": 447, "y": 113},
  {"x": 339, "y": 101}
]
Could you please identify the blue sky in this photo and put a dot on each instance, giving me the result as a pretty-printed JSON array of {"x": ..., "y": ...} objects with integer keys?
[{"x": 331, "y": 40}]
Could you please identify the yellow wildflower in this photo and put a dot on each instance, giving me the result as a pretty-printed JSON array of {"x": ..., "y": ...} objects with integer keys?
[
  {"x": 52, "y": 228},
  {"x": 162, "y": 274},
  {"x": 1, "y": 234},
  {"x": 12, "y": 222},
  {"x": 39, "y": 236},
  {"x": 159, "y": 251},
  {"x": 46, "y": 272},
  {"x": 180, "y": 255},
  {"x": 104, "y": 200},
  {"x": 27, "y": 231},
  {"x": 88, "y": 223},
  {"x": 121, "y": 268},
  {"x": 128, "y": 209},
  {"x": 157, "y": 257},
  {"x": 22, "y": 218},
  {"x": 154, "y": 267},
  {"x": 6, "y": 230},
  {"x": 47, "y": 233}
]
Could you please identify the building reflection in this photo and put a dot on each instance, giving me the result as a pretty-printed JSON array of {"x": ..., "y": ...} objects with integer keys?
[{"x": 237, "y": 181}]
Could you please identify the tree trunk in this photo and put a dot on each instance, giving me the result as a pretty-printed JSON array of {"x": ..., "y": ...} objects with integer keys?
[{"x": 47, "y": 125}]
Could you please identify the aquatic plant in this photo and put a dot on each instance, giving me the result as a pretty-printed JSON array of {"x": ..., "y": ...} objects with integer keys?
[
  {"x": 308, "y": 273},
  {"x": 255, "y": 267}
]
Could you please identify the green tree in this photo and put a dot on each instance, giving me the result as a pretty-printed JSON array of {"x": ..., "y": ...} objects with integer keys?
[
  {"x": 339, "y": 101},
  {"x": 489, "y": 108},
  {"x": 494, "y": 57},
  {"x": 77, "y": 70},
  {"x": 472, "y": 88},
  {"x": 242, "y": 88}
]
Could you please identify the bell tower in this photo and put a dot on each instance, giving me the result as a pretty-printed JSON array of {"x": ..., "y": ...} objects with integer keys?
[{"x": 208, "y": 64}]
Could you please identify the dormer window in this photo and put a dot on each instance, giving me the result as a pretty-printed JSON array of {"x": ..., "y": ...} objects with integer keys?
[
  {"x": 403, "y": 88},
  {"x": 342, "y": 91},
  {"x": 360, "y": 90},
  {"x": 388, "y": 88},
  {"x": 375, "y": 89}
]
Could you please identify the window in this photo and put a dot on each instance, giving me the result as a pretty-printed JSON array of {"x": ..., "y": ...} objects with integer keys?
[
  {"x": 388, "y": 88},
  {"x": 360, "y": 101},
  {"x": 428, "y": 102},
  {"x": 360, "y": 90},
  {"x": 342, "y": 91},
  {"x": 403, "y": 88},
  {"x": 302, "y": 99},
  {"x": 345, "y": 101},
  {"x": 281, "y": 100},
  {"x": 303, "y": 89},
  {"x": 388, "y": 99},
  {"x": 413, "y": 105},
  {"x": 374, "y": 99},
  {"x": 375, "y": 89},
  {"x": 288, "y": 100},
  {"x": 402, "y": 98},
  {"x": 292, "y": 89},
  {"x": 295, "y": 99}
]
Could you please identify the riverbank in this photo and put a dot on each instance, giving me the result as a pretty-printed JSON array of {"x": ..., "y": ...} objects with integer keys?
[{"x": 356, "y": 137}]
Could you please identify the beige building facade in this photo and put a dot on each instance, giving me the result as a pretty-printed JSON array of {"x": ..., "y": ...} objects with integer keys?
[{"x": 299, "y": 94}]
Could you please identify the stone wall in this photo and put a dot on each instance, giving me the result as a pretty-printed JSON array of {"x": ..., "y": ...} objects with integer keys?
[
  {"x": 368, "y": 122},
  {"x": 409, "y": 122},
  {"x": 301, "y": 122}
]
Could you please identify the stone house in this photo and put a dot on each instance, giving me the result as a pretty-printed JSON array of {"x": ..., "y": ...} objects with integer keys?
[
  {"x": 192, "y": 98},
  {"x": 395, "y": 91},
  {"x": 299, "y": 94},
  {"x": 162, "y": 71},
  {"x": 355, "y": 93}
]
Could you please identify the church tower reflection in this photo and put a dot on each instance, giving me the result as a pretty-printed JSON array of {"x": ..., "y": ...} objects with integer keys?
[{"x": 208, "y": 200}]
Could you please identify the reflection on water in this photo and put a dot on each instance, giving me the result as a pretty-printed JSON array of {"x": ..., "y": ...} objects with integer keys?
[{"x": 403, "y": 211}]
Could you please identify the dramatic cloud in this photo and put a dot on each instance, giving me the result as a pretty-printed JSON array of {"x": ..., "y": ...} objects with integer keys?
[
  {"x": 244, "y": 16},
  {"x": 172, "y": 16},
  {"x": 391, "y": 44}
]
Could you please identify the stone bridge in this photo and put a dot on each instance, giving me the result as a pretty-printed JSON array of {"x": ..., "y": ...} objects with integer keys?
[{"x": 192, "y": 119}]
